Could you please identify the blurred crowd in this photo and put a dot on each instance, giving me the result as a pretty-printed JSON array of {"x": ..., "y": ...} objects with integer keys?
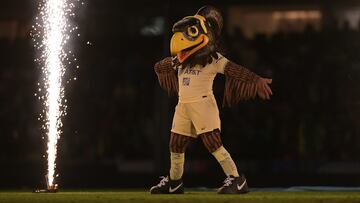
[
  {"x": 314, "y": 112},
  {"x": 112, "y": 105}
]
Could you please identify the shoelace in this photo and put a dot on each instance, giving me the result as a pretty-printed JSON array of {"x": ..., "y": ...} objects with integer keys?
[
  {"x": 228, "y": 181},
  {"x": 163, "y": 181}
]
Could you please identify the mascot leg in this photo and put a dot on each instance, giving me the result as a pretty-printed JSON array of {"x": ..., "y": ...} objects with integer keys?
[
  {"x": 233, "y": 184},
  {"x": 212, "y": 142},
  {"x": 174, "y": 184},
  {"x": 178, "y": 144}
]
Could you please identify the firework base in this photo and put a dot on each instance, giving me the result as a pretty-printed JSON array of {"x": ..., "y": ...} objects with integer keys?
[
  {"x": 49, "y": 189},
  {"x": 45, "y": 191}
]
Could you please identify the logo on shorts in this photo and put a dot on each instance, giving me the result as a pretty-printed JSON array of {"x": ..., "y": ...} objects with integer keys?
[{"x": 186, "y": 81}]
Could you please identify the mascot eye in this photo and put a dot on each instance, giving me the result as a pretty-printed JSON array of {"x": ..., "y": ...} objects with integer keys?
[{"x": 193, "y": 31}]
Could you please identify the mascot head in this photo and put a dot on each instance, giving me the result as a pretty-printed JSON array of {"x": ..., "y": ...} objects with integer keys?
[{"x": 195, "y": 37}]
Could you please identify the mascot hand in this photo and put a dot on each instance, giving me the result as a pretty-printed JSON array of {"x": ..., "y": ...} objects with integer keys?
[
  {"x": 175, "y": 62},
  {"x": 264, "y": 90},
  {"x": 164, "y": 66}
]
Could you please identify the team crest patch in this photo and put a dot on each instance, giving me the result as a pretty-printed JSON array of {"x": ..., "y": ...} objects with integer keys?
[{"x": 186, "y": 81}]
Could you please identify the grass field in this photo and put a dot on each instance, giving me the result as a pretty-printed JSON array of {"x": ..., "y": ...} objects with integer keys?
[{"x": 189, "y": 197}]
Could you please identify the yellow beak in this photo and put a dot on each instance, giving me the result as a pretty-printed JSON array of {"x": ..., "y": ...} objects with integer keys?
[{"x": 181, "y": 47}]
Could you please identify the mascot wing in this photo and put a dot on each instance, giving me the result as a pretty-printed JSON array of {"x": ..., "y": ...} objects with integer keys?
[
  {"x": 167, "y": 75},
  {"x": 240, "y": 84}
]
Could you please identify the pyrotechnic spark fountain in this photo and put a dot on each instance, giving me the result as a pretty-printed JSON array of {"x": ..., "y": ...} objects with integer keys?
[{"x": 51, "y": 33}]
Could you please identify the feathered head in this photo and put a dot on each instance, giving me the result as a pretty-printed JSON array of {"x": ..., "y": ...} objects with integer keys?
[{"x": 195, "y": 37}]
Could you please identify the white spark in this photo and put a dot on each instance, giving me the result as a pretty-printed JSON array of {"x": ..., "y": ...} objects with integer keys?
[{"x": 51, "y": 34}]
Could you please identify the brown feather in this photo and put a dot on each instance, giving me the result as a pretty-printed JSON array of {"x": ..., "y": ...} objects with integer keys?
[
  {"x": 167, "y": 75},
  {"x": 240, "y": 84}
]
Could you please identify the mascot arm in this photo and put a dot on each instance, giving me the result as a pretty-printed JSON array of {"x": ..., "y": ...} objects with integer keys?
[
  {"x": 242, "y": 84},
  {"x": 166, "y": 74}
]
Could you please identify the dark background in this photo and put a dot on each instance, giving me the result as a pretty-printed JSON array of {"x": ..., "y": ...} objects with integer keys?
[{"x": 116, "y": 131}]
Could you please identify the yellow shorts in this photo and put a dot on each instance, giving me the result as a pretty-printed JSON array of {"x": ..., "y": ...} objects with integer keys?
[{"x": 195, "y": 118}]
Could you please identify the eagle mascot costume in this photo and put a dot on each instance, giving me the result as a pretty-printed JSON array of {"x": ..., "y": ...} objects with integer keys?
[{"x": 189, "y": 72}]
